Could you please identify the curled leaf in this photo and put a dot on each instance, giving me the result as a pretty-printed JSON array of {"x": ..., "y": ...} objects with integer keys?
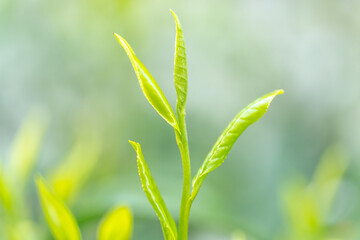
[
  {"x": 149, "y": 86},
  {"x": 153, "y": 194},
  {"x": 180, "y": 67},
  {"x": 249, "y": 115},
  {"x": 116, "y": 225},
  {"x": 59, "y": 218}
]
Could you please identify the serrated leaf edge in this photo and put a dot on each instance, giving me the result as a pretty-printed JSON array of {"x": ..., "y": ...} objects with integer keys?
[
  {"x": 203, "y": 171},
  {"x": 164, "y": 220}
]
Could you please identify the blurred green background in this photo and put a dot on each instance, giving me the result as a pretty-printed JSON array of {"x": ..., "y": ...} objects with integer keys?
[{"x": 60, "y": 62}]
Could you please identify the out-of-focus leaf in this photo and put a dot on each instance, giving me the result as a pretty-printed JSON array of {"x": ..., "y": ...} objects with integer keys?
[
  {"x": 149, "y": 86},
  {"x": 26, "y": 229},
  {"x": 180, "y": 68},
  {"x": 25, "y": 149},
  {"x": 303, "y": 213},
  {"x": 116, "y": 225},
  {"x": 153, "y": 194},
  {"x": 308, "y": 205},
  {"x": 238, "y": 235},
  {"x": 68, "y": 178},
  {"x": 328, "y": 177},
  {"x": 249, "y": 115},
  {"x": 59, "y": 218},
  {"x": 5, "y": 196}
]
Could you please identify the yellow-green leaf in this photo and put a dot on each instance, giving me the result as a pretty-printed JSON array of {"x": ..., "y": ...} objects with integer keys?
[
  {"x": 5, "y": 196},
  {"x": 149, "y": 86},
  {"x": 116, "y": 225},
  {"x": 70, "y": 175},
  {"x": 25, "y": 229},
  {"x": 153, "y": 194},
  {"x": 249, "y": 115},
  {"x": 180, "y": 68},
  {"x": 59, "y": 218}
]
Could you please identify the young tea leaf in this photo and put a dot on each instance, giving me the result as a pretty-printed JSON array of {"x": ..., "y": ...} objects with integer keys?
[
  {"x": 116, "y": 225},
  {"x": 249, "y": 115},
  {"x": 180, "y": 68},
  {"x": 152, "y": 192},
  {"x": 59, "y": 218},
  {"x": 149, "y": 86}
]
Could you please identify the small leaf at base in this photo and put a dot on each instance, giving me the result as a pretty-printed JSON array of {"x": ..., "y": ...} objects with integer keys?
[{"x": 153, "y": 194}]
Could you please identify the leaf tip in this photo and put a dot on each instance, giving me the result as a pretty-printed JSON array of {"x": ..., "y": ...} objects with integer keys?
[
  {"x": 125, "y": 45},
  {"x": 175, "y": 16},
  {"x": 172, "y": 12},
  {"x": 120, "y": 39},
  {"x": 279, "y": 91},
  {"x": 273, "y": 94},
  {"x": 133, "y": 144}
]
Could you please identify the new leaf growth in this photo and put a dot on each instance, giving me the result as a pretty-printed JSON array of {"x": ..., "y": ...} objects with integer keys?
[{"x": 249, "y": 115}]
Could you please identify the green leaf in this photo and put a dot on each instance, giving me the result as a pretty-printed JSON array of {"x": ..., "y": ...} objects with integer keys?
[
  {"x": 59, "y": 218},
  {"x": 238, "y": 235},
  {"x": 26, "y": 148},
  {"x": 149, "y": 86},
  {"x": 328, "y": 177},
  {"x": 303, "y": 213},
  {"x": 249, "y": 115},
  {"x": 152, "y": 192},
  {"x": 116, "y": 225},
  {"x": 180, "y": 68}
]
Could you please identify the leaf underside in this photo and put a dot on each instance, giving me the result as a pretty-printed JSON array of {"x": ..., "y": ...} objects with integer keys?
[
  {"x": 249, "y": 115},
  {"x": 149, "y": 86},
  {"x": 59, "y": 218},
  {"x": 153, "y": 194}
]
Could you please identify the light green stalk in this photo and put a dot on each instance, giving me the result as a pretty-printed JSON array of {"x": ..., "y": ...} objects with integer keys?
[
  {"x": 182, "y": 141},
  {"x": 181, "y": 83}
]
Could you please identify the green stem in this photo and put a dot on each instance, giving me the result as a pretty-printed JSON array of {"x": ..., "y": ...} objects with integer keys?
[{"x": 182, "y": 141}]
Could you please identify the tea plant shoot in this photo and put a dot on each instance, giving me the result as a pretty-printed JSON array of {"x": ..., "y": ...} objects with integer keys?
[{"x": 249, "y": 115}]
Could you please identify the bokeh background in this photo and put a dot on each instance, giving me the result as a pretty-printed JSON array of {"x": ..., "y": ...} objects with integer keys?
[{"x": 63, "y": 74}]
